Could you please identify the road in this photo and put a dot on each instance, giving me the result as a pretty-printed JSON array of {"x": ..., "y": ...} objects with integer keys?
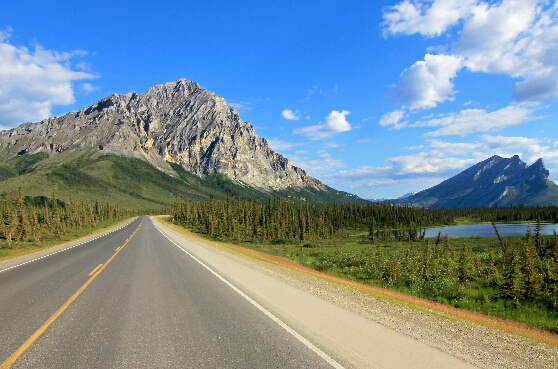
[{"x": 145, "y": 297}]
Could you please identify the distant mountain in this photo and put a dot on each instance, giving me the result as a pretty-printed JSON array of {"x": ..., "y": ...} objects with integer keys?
[
  {"x": 494, "y": 182},
  {"x": 179, "y": 129},
  {"x": 407, "y": 195}
]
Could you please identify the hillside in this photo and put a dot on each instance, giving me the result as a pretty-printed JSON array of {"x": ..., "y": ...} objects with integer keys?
[{"x": 130, "y": 182}]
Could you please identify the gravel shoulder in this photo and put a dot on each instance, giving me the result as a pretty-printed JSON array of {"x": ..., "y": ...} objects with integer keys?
[{"x": 357, "y": 327}]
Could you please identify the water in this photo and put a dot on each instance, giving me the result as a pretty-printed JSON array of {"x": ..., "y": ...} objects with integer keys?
[{"x": 486, "y": 230}]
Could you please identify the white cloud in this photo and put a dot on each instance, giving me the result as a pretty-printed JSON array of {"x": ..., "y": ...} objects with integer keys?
[
  {"x": 428, "y": 82},
  {"x": 244, "y": 104},
  {"x": 240, "y": 106},
  {"x": 330, "y": 145},
  {"x": 489, "y": 37},
  {"x": 428, "y": 162},
  {"x": 325, "y": 165},
  {"x": 290, "y": 115},
  {"x": 441, "y": 148},
  {"x": 394, "y": 119},
  {"x": 501, "y": 142},
  {"x": 430, "y": 18},
  {"x": 33, "y": 81},
  {"x": 335, "y": 122},
  {"x": 511, "y": 37},
  {"x": 477, "y": 120},
  {"x": 278, "y": 145},
  {"x": 88, "y": 88}
]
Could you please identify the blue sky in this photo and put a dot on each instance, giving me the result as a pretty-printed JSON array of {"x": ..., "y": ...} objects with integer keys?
[{"x": 378, "y": 98}]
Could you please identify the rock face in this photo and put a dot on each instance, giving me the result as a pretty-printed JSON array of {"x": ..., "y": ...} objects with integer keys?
[
  {"x": 178, "y": 122},
  {"x": 493, "y": 182}
]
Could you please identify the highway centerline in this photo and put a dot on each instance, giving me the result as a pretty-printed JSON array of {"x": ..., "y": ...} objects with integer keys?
[
  {"x": 12, "y": 359},
  {"x": 98, "y": 266}
]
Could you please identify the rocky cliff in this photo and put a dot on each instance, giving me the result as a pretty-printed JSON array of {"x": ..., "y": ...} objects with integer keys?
[
  {"x": 178, "y": 122},
  {"x": 493, "y": 182}
]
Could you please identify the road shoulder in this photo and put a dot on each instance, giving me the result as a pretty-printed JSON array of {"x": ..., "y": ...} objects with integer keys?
[{"x": 470, "y": 342}]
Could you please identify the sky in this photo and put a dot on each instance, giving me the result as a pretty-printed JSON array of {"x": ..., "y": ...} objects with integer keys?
[{"x": 377, "y": 98}]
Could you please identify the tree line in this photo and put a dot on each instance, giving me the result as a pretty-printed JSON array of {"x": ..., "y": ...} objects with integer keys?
[
  {"x": 279, "y": 220},
  {"x": 32, "y": 219}
]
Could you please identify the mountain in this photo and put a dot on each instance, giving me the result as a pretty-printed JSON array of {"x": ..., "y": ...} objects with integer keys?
[
  {"x": 179, "y": 130},
  {"x": 494, "y": 182},
  {"x": 406, "y": 195}
]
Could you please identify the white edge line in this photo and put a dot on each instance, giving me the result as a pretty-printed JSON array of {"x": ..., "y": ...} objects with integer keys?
[
  {"x": 67, "y": 248},
  {"x": 283, "y": 325}
]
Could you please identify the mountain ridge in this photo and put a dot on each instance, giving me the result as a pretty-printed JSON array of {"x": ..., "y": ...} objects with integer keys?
[
  {"x": 493, "y": 182},
  {"x": 176, "y": 122}
]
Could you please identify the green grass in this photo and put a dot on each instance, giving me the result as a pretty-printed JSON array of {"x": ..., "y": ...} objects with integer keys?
[{"x": 355, "y": 258}]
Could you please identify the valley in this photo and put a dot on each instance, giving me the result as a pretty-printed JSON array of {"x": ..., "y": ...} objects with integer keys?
[{"x": 178, "y": 149}]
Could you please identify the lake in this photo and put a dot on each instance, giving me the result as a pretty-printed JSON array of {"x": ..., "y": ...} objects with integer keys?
[{"x": 486, "y": 230}]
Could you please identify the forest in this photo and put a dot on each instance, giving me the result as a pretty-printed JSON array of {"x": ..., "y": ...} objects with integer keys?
[
  {"x": 31, "y": 221},
  {"x": 384, "y": 245}
]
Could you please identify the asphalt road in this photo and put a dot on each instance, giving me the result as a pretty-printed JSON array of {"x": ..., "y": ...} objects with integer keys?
[{"x": 133, "y": 299}]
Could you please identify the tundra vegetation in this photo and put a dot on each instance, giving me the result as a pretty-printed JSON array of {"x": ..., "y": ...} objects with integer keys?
[
  {"x": 514, "y": 278},
  {"x": 31, "y": 222}
]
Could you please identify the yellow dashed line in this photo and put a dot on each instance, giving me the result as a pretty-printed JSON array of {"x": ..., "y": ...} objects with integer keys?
[
  {"x": 94, "y": 270},
  {"x": 12, "y": 359}
]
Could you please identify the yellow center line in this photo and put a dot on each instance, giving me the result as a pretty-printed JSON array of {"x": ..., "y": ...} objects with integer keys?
[
  {"x": 12, "y": 359},
  {"x": 118, "y": 248},
  {"x": 94, "y": 270}
]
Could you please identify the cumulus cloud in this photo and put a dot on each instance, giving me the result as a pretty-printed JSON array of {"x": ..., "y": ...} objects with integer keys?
[
  {"x": 32, "y": 81},
  {"x": 515, "y": 38},
  {"x": 430, "y": 18},
  {"x": 428, "y": 82},
  {"x": 393, "y": 119},
  {"x": 290, "y": 115},
  {"x": 335, "y": 122},
  {"x": 490, "y": 37},
  {"x": 477, "y": 120}
]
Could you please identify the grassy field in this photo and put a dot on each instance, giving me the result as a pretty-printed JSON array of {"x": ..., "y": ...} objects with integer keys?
[{"x": 467, "y": 273}]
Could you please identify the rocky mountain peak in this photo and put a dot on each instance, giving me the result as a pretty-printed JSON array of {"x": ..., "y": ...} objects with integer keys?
[
  {"x": 537, "y": 170},
  {"x": 177, "y": 122},
  {"x": 495, "y": 181}
]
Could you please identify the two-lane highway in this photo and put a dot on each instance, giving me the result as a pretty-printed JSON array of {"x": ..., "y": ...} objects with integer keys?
[{"x": 132, "y": 299}]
